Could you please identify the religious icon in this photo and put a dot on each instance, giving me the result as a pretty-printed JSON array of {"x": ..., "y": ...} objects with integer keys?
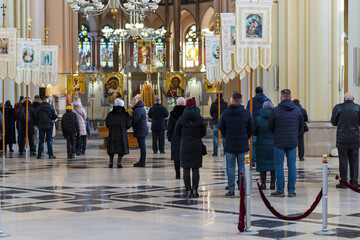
[
  {"x": 113, "y": 85},
  {"x": 254, "y": 26},
  {"x": 145, "y": 52},
  {"x": 175, "y": 85},
  {"x": 28, "y": 55},
  {"x": 233, "y": 34},
  {"x": 208, "y": 87},
  {"x": 46, "y": 58},
  {"x": 216, "y": 51},
  {"x": 4, "y": 45},
  {"x": 76, "y": 84}
]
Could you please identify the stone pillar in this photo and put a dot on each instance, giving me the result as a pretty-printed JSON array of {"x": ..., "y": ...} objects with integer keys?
[
  {"x": 198, "y": 30},
  {"x": 168, "y": 33},
  {"x": 177, "y": 34}
]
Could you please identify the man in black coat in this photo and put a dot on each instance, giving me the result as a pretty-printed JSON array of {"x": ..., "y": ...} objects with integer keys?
[
  {"x": 236, "y": 125},
  {"x": 158, "y": 113},
  {"x": 287, "y": 123},
  {"x": 10, "y": 135},
  {"x": 22, "y": 128},
  {"x": 140, "y": 127},
  {"x": 301, "y": 148},
  {"x": 70, "y": 129},
  {"x": 346, "y": 117},
  {"x": 214, "y": 112},
  {"x": 45, "y": 115}
]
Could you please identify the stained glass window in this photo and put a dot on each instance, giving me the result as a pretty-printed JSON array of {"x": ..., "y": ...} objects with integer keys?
[
  {"x": 106, "y": 51},
  {"x": 191, "y": 48},
  {"x": 84, "y": 47},
  {"x": 160, "y": 50}
]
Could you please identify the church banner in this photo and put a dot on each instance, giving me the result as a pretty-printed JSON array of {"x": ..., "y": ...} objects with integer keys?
[
  {"x": 8, "y": 47},
  {"x": 254, "y": 34},
  {"x": 212, "y": 45},
  {"x": 49, "y": 65},
  {"x": 28, "y": 61}
]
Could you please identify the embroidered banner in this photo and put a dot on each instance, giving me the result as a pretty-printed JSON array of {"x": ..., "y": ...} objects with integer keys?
[
  {"x": 254, "y": 34},
  {"x": 8, "y": 47},
  {"x": 28, "y": 61},
  {"x": 212, "y": 45},
  {"x": 49, "y": 65}
]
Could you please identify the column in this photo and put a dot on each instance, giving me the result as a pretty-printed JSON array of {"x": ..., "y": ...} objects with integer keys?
[
  {"x": 167, "y": 34},
  {"x": 177, "y": 34},
  {"x": 198, "y": 30}
]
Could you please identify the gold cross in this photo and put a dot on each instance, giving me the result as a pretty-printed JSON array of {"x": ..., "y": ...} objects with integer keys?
[
  {"x": 3, "y": 8},
  {"x": 29, "y": 21}
]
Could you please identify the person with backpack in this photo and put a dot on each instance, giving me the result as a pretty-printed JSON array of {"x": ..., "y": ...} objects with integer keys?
[
  {"x": 70, "y": 129},
  {"x": 22, "y": 128},
  {"x": 81, "y": 115}
]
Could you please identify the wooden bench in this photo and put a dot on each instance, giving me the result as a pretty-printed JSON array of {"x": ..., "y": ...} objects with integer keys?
[{"x": 104, "y": 133}]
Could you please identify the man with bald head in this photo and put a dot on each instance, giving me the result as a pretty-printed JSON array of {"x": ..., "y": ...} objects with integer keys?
[{"x": 346, "y": 116}]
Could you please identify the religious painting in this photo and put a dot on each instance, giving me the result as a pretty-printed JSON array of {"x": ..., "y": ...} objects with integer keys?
[
  {"x": 209, "y": 87},
  {"x": 76, "y": 84},
  {"x": 4, "y": 45},
  {"x": 145, "y": 52},
  {"x": 216, "y": 51},
  {"x": 28, "y": 55},
  {"x": 175, "y": 85},
  {"x": 232, "y": 34},
  {"x": 113, "y": 85},
  {"x": 46, "y": 58},
  {"x": 254, "y": 26}
]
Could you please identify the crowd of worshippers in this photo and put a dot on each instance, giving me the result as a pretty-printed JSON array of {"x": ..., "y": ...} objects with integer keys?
[{"x": 40, "y": 117}]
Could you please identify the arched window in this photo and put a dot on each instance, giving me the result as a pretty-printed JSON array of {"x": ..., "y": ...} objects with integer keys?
[
  {"x": 106, "y": 51},
  {"x": 160, "y": 50},
  {"x": 191, "y": 48},
  {"x": 84, "y": 47}
]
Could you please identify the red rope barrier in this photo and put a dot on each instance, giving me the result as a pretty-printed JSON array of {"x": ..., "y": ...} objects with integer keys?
[
  {"x": 348, "y": 185},
  {"x": 242, "y": 211},
  {"x": 287, "y": 218}
]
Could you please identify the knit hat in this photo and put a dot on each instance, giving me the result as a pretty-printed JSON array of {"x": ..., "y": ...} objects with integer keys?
[
  {"x": 181, "y": 101},
  {"x": 119, "y": 102},
  {"x": 191, "y": 102},
  {"x": 69, "y": 107},
  {"x": 268, "y": 105}
]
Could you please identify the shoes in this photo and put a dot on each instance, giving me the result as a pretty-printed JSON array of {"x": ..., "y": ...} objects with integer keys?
[
  {"x": 214, "y": 154},
  {"x": 301, "y": 160},
  {"x": 177, "y": 176},
  {"x": 278, "y": 194},
  {"x": 111, "y": 163},
  {"x": 38, "y": 157},
  {"x": 32, "y": 154},
  {"x": 291, "y": 195},
  {"x": 119, "y": 163},
  {"x": 263, "y": 186},
  {"x": 155, "y": 152},
  {"x": 78, "y": 154},
  {"x": 83, "y": 152},
  {"x": 195, "y": 193},
  {"x": 340, "y": 185},
  {"x": 11, "y": 150},
  {"x": 52, "y": 157},
  {"x": 72, "y": 156},
  {"x": 162, "y": 152},
  {"x": 139, "y": 165},
  {"x": 188, "y": 193},
  {"x": 227, "y": 188},
  {"x": 230, "y": 195},
  {"x": 272, "y": 186}
]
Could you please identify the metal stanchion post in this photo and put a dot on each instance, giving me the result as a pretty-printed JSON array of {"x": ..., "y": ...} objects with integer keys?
[
  {"x": 4, "y": 169},
  {"x": 27, "y": 156},
  {"x": 248, "y": 182},
  {"x": 325, "y": 230}
]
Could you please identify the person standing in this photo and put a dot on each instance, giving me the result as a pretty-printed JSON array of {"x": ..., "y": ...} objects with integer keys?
[
  {"x": 287, "y": 123},
  {"x": 236, "y": 125},
  {"x": 36, "y": 103},
  {"x": 70, "y": 129},
  {"x": 265, "y": 146},
  {"x": 158, "y": 113},
  {"x": 140, "y": 127},
  {"x": 301, "y": 144},
  {"x": 10, "y": 135},
  {"x": 46, "y": 116},
  {"x": 258, "y": 101},
  {"x": 118, "y": 121},
  {"x": 214, "y": 112},
  {"x": 81, "y": 115},
  {"x": 191, "y": 129},
  {"x": 346, "y": 116},
  {"x": 22, "y": 128},
  {"x": 173, "y": 138}
]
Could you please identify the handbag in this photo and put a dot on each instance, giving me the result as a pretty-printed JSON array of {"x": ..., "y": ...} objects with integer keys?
[
  {"x": 87, "y": 123},
  {"x": 306, "y": 128}
]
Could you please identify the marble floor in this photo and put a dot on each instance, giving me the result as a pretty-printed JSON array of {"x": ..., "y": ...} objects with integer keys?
[{"x": 83, "y": 199}]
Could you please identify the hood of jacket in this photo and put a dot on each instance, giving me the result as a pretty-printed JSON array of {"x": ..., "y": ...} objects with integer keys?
[
  {"x": 287, "y": 105},
  {"x": 177, "y": 112},
  {"x": 139, "y": 104},
  {"x": 44, "y": 106},
  {"x": 24, "y": 104},
  {"x": 191, "y": 113},
  {"x": 235, "y": 109},
  {"x": 118, "y": 109},
  {"x": 265, "y": 113},
  {"x": 261, "y": 98},
  {"x": 77, "y": 104}
]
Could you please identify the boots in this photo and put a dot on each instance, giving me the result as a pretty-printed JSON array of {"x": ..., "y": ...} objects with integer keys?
[
  {"x": 188, "y": 193},
  {"x": 111, "y": 162},
  {"x": 263, "y": 180},
  {"x": 195, "y": 193},
  {"x": 119, "y": 162},
  {"x": 177, "y": 169},
  {"x": 272, "y": 181}
]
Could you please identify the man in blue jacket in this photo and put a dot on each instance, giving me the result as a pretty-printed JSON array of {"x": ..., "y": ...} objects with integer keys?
[
  {"x": 287, "y": 123},
  {"x": 139, "y": 124},
  {"x": 158, "y": 113},
  {"x": 236, "y": 125},
  {"x": 214, "y": 114}
]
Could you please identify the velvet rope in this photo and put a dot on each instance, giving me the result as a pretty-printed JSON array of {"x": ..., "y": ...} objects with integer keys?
[
  {"x": 242, "y": 211},
  {"x": 287, "y": 218},
  {"x": 348, "y": 185}
]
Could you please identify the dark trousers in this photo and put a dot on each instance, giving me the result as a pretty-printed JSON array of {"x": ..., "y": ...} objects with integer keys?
[
  {"x": 349, "y": 157},
  {"x": 48, "y": 132},
  {"x": 142, "y": 146},
  {"x": 195, "y": 177},
  {"x": 177, "y": 167},
  {"x": 301, "y": 147},
  {"x": 263, "y": 177},
  {"x": 81, "y": 144},
  {"x": 71, "y": 145},
  {"x": 22, "y": 143},
  {"x": 158, "y": 141}
]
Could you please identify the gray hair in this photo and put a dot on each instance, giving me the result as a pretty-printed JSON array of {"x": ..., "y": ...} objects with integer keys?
[
  {"x": 157, "y": 100},
  {"x": 134, "y": 99},
  {"x": 348, "y": 96}
]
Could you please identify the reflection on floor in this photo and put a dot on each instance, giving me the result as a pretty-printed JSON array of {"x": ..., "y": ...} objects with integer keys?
[{"x": 83, "y": 199}]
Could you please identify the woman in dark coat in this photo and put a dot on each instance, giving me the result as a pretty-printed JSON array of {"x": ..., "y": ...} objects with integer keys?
[
  {"x": 118, "y": 122},
  {"x": 32, "y": 120},
  {"x": 191, "y": 128},
  {"x": 10, "y": 136},
  {"x": 264, "y": 145},
  {"x": 173, "y": 138}
]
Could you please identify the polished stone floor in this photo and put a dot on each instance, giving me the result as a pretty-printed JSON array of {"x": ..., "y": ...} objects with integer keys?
[{"x": 83, "y": 199}]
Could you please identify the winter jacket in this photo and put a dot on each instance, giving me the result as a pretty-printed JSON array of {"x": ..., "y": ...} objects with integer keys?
[
  {"x": 36, "y": 103},
  {"x": 45, "y": 115},
  {"x": 304, "y": 113},
  {"x": 346, "y": 116},
  {"x": 81, "y": 115},
  {"x": 191, "y": 129},
  {"x": 118, "y": 122},
  {"x": 175, "y": 140},
  {"x": 70, "y": 124},
  {"x": 32, "y": 119},
  {"x": 287, "y": 123},
  {"x": 10, "y": 135},
  {"x": 258, "y": 101},
  {"x": 139, "y": 120},
  {"x": 214, "y": 109},
  {"x": 264, "y": 142},
  {"x": 236, "y": 125},
  {"x": 158, "y": 113}
]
